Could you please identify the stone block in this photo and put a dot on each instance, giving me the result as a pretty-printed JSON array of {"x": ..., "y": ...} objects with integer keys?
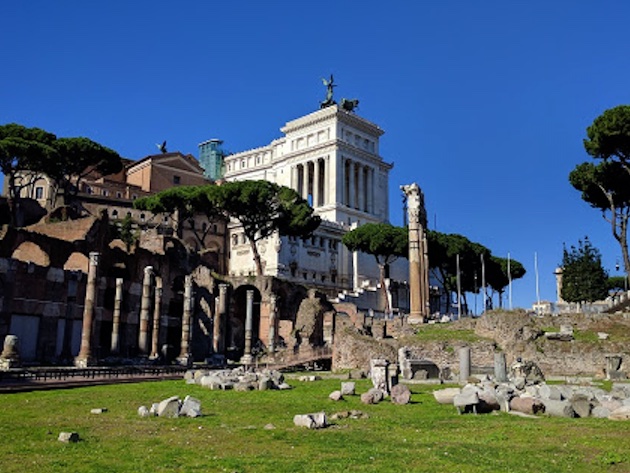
[
  {"x": 549, "y": 392},
  {"x": 169, "y": 407},
  {"x": 143, "y": 411},
  {"x": 348, "y": 388},
  {"x": 335, "y": 396},
  {"x": 99, "y": 410},
  {"x": 400, "y": 394},
  {"x": 191, "y": 407},
  {"x": 316, "y": 420},
  {"x": 446, "y": 396},
  {"x": 558, "y": 408},
  {"x": 621, "y": 413},
  {"x": 527, "y": 405},
  {"x": 68, "y": 437}
]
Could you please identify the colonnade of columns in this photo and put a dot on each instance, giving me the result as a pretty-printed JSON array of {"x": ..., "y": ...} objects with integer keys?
[
  {"x": 85, "y": 358},
  {"x": 357, "y": 186},
  {"x": 151, "y": 322},
  {"x": 312, "y": 179}
]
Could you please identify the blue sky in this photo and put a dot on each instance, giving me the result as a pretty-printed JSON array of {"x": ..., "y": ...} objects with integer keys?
[{"x": 484, "y": 104}]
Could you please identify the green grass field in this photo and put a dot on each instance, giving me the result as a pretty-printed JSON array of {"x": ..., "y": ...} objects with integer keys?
[{"x": 420, "y": 437}]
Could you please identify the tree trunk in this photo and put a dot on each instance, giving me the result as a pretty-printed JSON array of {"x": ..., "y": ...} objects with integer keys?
[
  {"x": 381, "y": 271},
  {"x": 257, "y": 260}
]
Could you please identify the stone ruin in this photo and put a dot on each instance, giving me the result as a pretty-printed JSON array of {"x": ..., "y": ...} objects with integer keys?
[
  {"x": 524, "y": 392},
  {"x": 10, "y": 356},
  {"x": 173, "y": 407},
  {"x": 238, "y": 379}
]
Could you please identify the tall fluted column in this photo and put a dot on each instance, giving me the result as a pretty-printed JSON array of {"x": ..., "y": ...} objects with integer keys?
[
  {"x": 294, "y": 183},
  {"x": 157, "y": 309},
  {"x": 272, "y": 322},
  {"x": 84, "y": 358},
  {"x": 249, "y": 316},
  {"x": 145, "y": 306},
  {"x": 370, "y": 191},
  {"x": 351, "y": 185},
  {"x": 307, "y": 180},
  {"x": 115, "y": 347},
  {"x": 361, "y": 179},
  {"x": 219, "y": 317},
  {"x": 185, "y": 357},
  {"x": 316, "y": 182}
]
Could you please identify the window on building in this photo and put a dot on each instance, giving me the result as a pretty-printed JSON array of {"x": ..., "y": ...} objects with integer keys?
[
  {"x": 119, "y": 195},
  {"x": 39, "y": 192},
  {"x": 234, "y": 240},
  {"x": 177, "y": 180},
  {"x": 105, "y": 192},
  {"x": 134, "y": 197},
  {"x": 115, "y": 213},
  {"x": 142, "y": 217}
]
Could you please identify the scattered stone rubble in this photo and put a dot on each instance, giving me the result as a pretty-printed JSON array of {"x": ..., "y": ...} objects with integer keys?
[
  {"x": 316, "y": 420},
  {"x": 526, "y": 393},
  {"x": 68, "y": 437},
  {"x": 238, "y": 379},
  {"x": 173, "y": 407}
]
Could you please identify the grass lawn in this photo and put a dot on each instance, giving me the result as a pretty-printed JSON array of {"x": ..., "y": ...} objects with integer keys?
[{"x": 420, "y": 437}]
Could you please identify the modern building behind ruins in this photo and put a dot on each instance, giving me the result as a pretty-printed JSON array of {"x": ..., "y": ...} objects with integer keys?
[{"x": 331, "y": 157}]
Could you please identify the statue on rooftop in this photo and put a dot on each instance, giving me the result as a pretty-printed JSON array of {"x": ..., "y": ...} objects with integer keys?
[{"x": 329, "y": 92}]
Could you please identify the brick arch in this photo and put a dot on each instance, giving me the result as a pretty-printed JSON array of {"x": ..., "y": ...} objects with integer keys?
[
  {"x": 76, "y": 262},
  {"x": 351, "y": 309},
  {"x": 30, "y": 252}
]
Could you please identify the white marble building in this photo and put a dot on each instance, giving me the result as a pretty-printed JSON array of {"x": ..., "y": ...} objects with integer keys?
[{"x": 331, "y": 157}]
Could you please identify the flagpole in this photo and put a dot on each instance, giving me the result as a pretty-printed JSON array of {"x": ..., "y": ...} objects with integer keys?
[
  {"x": 483, "y": 283},
  {"x": 509, "y": 280},
  {"x": 459, "y": 291},
  {"x": 537, "y": 285}
]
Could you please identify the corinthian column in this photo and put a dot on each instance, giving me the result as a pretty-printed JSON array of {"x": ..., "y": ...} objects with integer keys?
[
  {"x": 185, "y": 357},
  {"x": 418, "y": 267},
  {"x": 145, "y": 306},
  {"x": 219, "y": 318},
  {"x": 272, "y": 322},
  {"x": 249, "y": 316},
  {"x": 115, "y": 347},
  {"x": 84, "y": 358},
  {"x": 157, "y": 305}
]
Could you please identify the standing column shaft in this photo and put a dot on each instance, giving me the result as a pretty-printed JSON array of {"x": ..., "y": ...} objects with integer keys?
[
  {"x": 85, "y": 354},
  {"x": 370, "y": 191},
  {"x": 184, "y": 354},
  {"x": 219, "y": 317},
  {"x": 316, "y": 181},
  {"x": 418, "y": 269},
  {"x": 351, "y": 185},
  {"x": 307, "y": 180},
  {"x": 249, "y": 316},
  {"x": 115, "y": 348},
  {"x": 464, "y": 365},
  {"x": 361, "y": 187},
  {"x": 272, "y": 322},
  {"x": 145, "y": 306},
  {"x": 500, "y": 368},
  {"x": 157, "y": 305}
]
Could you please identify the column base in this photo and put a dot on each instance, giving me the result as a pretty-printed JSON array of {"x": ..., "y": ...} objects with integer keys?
[
  {"x": 84, "y": 361},
  {"x": 185, "y": 360},
  {"x": 415, "y": 318},
  {"x": 247, "y": 360}
]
